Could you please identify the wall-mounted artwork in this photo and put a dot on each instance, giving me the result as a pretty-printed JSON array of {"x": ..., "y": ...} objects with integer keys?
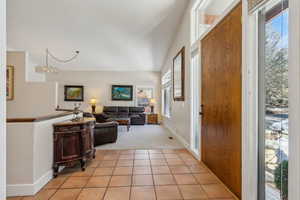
[
  {"x": 74, "y": 93},
  {"x": 178, "y": 75},
  {"x": 9, "y": 83},
  {"x": 143, "y": 97},
  {"x": 122, "y": 93}
]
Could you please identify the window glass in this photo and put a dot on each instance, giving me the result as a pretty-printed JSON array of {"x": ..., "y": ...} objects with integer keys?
[
  {"x": 205, "y": 13},
  {"x": 166, "y": 94},
  {"x": 274, "y": 132}
]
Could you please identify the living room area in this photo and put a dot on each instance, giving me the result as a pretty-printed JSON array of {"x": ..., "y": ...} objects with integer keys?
[{"x": 126, "y": 106}]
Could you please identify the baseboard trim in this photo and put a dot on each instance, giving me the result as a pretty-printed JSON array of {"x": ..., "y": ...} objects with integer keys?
[
  {"x": 178, "y": 137},
  {"x": 182, "y": 141},
  {"x": 29, "y": 189}
]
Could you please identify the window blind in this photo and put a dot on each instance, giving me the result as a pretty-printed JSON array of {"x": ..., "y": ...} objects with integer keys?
[{"x": 254, "y": 4}]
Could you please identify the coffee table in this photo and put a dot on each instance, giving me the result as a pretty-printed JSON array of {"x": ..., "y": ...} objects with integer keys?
[{"x": 122, "y": 122}]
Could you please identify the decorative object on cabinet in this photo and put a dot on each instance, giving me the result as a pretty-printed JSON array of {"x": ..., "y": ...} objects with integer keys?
[
  {"x": 178, "y": 75},
  {"x": 73, "y": 142},
  {"x": 9, "y": 83},
  {"x": 76, "y": 112},
  {"x": 74, "y": 93},
  {"x": 122, "y": 92},
  {"x": 152, "y": 118}
]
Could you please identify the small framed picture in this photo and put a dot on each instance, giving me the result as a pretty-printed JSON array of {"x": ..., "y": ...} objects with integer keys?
[
  {"x": 74, "y": 93},
  {"x": 9, "y": 83}
]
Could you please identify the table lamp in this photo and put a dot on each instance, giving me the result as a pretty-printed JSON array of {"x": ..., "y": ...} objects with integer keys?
[
  {"x": 152, "y": 103},
  {"x": 93, "y": 103}
]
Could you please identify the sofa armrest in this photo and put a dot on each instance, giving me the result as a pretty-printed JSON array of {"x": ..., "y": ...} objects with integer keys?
[{"x": 106, "y": 124}]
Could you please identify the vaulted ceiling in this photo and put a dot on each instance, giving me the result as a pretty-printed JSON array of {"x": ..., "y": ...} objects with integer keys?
[{"x": 124, "y": 35}]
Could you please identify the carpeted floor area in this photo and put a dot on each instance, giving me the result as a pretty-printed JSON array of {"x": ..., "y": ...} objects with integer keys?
[{"x": 143, "y": 137}]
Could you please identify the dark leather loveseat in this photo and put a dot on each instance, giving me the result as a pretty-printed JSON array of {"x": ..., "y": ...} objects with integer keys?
[{"x": 136, "y": 114}]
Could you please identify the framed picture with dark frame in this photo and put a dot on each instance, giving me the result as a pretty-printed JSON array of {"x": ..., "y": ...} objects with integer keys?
[
  {"x": 122, "y": 92},
  {"x": 74, "y": 93},
  {"x": 178, "y": 75}
]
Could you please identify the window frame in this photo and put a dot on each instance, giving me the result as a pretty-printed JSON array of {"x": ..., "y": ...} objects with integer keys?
[{"x": 166, "y": 82}]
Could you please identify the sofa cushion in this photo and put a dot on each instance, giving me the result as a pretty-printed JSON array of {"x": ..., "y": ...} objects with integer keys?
[
  {"x": 123, "y": 109},
  {"x": 110, "y": 109},
  {"x": 136, "y": 109}
]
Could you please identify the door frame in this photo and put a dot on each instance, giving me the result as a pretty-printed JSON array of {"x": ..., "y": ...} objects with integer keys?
[
  {"x": 195, "y": 51},
  {"x": 3, "y": 99}
]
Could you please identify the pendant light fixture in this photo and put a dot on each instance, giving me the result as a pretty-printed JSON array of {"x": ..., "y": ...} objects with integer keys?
[{"x": 50, "y": 69}]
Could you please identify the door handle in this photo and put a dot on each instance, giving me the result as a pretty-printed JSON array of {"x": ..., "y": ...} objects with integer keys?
[{"x": 201, "y": 112}]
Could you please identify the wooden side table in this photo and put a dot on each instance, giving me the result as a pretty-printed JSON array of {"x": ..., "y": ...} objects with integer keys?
[{"x": 152, "y": 118}]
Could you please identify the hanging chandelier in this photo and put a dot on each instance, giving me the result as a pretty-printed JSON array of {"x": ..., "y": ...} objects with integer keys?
[{"x": 50, "y": 69}]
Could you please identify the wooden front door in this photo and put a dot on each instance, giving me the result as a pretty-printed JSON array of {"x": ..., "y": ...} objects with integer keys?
[{"x": 221, "y": 95}]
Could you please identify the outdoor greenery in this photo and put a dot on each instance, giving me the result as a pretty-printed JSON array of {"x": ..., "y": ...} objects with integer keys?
[{"x": 281, "y": 179}]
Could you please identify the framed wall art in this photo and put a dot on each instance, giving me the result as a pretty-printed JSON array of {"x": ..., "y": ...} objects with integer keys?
[
  {"x": 122, "y": 92},
  {"x": 74, "y": 93},
  {"x": 178, "y": 75}
]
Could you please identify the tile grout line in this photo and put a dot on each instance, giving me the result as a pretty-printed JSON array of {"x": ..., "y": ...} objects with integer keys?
[
  {"x": 131, "y": 185},
  {"x": 106, "y": 188},
  {"x": 154, "y": 188}
]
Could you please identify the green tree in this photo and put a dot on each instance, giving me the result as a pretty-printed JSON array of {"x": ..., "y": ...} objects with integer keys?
[
  {"x": 276, "y": 70},
  {"x": 281, "y": 179}
]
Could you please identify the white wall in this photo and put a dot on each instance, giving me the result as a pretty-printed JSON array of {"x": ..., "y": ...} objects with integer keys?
[
  {"x": 179, "y": 122},
  {"x": 29, "y": 166},
  {"x": 97, "y": 85},
  {"x": 2, "y": 99},
  {"x": 31, "y": 99}
]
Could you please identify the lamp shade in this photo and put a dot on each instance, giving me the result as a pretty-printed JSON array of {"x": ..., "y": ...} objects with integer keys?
[
  {"x": 93, "y": 101},
  {"x": 152, "y": 101}
]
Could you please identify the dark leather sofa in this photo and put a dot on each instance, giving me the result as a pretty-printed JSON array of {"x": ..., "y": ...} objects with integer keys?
[
  {"x": 104, "y": 132},
  {"x": 136, "y": 114}
]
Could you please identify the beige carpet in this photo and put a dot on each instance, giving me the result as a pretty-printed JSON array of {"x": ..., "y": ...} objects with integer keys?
[{"x": 143, "y": 137}]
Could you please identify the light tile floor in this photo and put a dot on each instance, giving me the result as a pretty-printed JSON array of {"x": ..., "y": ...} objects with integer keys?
[{"x": 136, "y": 175}]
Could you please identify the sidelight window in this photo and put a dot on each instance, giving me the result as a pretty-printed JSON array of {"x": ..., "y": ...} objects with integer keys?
[{"x": 273, "y": 101}]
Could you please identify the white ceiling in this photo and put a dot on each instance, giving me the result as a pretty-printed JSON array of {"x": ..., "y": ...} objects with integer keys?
[{"x": 124, "y": 35}]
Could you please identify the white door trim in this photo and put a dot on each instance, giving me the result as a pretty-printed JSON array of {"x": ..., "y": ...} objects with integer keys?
[
  {"x": 294, "y": 99},
  {"x": 249, "y": 105},
  {"x": 2, "y": 99}
]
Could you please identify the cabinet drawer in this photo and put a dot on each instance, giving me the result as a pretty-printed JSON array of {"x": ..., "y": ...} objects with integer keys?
[
  {"x": 152, "y": 119},
  {"x": 67, "y": 128}
]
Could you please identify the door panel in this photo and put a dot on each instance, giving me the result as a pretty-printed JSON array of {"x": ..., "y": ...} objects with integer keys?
[{"x": 221, "y": 59}]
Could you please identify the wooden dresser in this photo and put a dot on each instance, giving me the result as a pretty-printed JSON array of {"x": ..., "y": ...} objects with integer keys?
[{"x": 73, "y": 142}]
